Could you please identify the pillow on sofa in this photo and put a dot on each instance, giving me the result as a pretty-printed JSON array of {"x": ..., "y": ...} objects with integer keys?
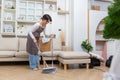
[{"x": 8, "y": 44}]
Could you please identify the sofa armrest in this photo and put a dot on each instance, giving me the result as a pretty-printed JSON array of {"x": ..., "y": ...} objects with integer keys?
[{"x": 66, "y": 48}]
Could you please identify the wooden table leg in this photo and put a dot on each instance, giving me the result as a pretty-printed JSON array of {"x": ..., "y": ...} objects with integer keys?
[
  {"x": 65, "y": 67},
  {"x": 87, "y": 65}
]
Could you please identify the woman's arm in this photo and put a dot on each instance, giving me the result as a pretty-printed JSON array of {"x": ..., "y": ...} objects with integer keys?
[{"x": 49, "y": 36}]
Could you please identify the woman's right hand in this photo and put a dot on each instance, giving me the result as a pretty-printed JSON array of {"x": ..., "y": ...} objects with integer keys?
[{"x": 34, "y": 40}]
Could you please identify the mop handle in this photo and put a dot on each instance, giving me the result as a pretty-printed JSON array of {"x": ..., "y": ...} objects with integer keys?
[
  {"x": 52, "y": 47},
  {"x": 52, "y": 50},
  {"x": 37, "y": 46}
]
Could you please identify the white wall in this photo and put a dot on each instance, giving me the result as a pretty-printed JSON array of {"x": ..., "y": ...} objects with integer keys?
[
  {"x": 68, "y": 27},
  {"x": 95, "y": 18},
  {"x": 103, "y": 5},
  {"x": 58, "y": 21},
  {"x": 61, "y": 21},
  {"x": 80, "y": 14}
]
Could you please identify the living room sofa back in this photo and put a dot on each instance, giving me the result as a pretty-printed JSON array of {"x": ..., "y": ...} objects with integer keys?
[
  {"x": 8, "y": 47},
  {"x": 22, "y": 54},
  {"x": 13, "y": 49}
]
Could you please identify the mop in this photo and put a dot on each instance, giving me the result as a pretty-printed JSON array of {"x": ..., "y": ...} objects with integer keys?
[{"x": 48, "y": 69}]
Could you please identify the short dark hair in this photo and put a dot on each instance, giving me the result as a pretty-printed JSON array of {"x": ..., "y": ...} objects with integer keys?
[{"x": 46, "y": 17}]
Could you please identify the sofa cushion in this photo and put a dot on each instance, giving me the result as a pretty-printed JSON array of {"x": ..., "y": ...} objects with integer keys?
[
  {"x": 50, "y": 58},
  {"x": 49, "y": 54},
  {"x": 74, "y": 55},
  {"x": 22, "y": 54},
  {"x": 22, "y": 44},
  {"x": 73, "y": 61},
  {"x": 6, "y": 54},
  {"x": 8, "y": 44}
]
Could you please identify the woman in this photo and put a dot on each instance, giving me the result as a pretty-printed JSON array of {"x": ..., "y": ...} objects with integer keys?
[{"x": 33, "y": 39}]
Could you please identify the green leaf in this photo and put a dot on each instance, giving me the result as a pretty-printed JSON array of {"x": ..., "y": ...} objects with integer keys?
[
  {"x": 86, "y": 46},
  {"x": 112, "y": 21}
]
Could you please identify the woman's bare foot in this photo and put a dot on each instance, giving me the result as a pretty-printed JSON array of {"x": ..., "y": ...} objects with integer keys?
[
  {"x": 39, "y": 68},
  {"x": 35, "y": 69}
]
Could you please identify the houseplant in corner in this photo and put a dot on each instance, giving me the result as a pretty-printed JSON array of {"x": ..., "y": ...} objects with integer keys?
[
  {"x": 112, "y": 31},
  {"x": 86, "y": 46},
  {"x": 95, "y": 59}
]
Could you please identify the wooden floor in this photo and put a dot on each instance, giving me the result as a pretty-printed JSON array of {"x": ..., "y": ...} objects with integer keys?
[{"x": 22, "y": 72}]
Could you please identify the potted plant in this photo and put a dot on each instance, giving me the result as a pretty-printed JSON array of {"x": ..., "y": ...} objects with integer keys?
[
  {"x": 86, "y": 46},
  {"x": 112, "y": 21},
  {"x": 112, "y": 31}
]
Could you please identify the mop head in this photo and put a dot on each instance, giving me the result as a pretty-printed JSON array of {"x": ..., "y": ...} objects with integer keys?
[{"x": 49, "y": 70}]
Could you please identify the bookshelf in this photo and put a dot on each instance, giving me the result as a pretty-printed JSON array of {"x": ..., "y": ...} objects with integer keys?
[{"x": 17, "y": 16}]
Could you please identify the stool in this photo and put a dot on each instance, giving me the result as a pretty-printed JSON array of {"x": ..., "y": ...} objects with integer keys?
[{"x": 73, "y": 57}]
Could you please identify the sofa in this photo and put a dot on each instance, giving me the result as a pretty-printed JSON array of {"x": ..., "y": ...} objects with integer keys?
[
  {"x": 65, "y": 57},
  {"x": 13, "y": 49}
]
